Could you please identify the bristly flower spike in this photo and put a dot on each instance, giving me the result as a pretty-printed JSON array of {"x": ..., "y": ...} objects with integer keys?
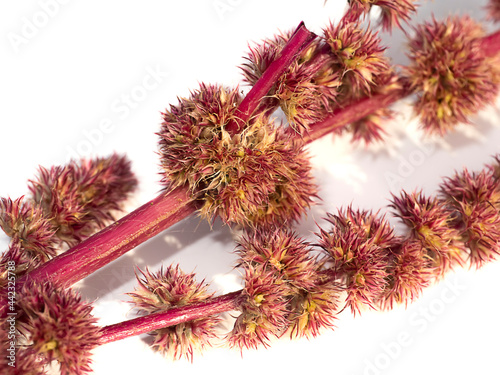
[
  {"x": 392, "y": 11},
  {"x": 80, "y": 198},
  {"x": 29, "y": 227},
  {"x": 57, "y": 326},
  {"x": 359, "y": 56},
  {"x": 409, "y": 272},
  {"x": 358, "y": 246},
  {"x": 476, "y": 197},
  {"x": 450, "y": 73},
  {"x": 264, "y": 312},
  {"x": 170, "y": 288},
  {"x": 431, "y": 223},
  {"x": 260, "y": 176}
]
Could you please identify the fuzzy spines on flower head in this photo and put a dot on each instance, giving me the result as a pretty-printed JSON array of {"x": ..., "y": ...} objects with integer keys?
[
  {"x": 29, "y": 227},
  {"x": 170, "y": 288},
  {"x": 476, "y": 197},
  {"x": 392, "y": 11},
  {"x": 360, "y": 57},
  {"x": 449, "y": 73},
  {"x": 58, "y": 326},
  {"x": 432, "y": 224},
  {"x": 81, "y": 197},
  {"x": 257, "y": 177}
]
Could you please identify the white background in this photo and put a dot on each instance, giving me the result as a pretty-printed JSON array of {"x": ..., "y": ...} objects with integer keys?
[{"x": 66, "y": 69}]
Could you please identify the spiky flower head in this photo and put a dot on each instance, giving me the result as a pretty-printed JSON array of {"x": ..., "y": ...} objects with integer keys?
[
  {"x": 282, "y": 252},
  {"x": 307, "y": 88},
  {"x": 314, "y": 308},
  {"x": 359, "y": 251},
  {"x": 264, "y": 312},
  {"x": 257, "y": 177},
  {"x": 170, "y": 288},
  {"x": 16, "y": 360},
  {"x": 431, "y": 223},
  {"x": 359, "y": 56},
  {"x": 392, "y": 11},
  {"x": 15, "y": 261},
  {"x": 29, "y": 227},
  {"x": 476, "y": 197},
  {"x": 370, "y": 128},
  {"x": 449, "y": 73},
  {"x": 493, "y": 9},
  {"x": 82, "y": 196},
  {"x": 57, "y": 326},
  {"x": 409, "y": 273}
]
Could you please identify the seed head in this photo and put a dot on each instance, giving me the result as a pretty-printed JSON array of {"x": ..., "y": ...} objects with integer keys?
[
  {"x": 257, "y": 177},
  {"x": 307, "y": 88},
  {"x": 282, "y": 252},
  {"x": 452, "y": 78},
  {"x": 370, "y": 128},
  {"x": 359, "y": 56},
  {"x": 409, "y": 273},
  {"x": 81, "y": 197},
  {"x": 58, "y": 326},
  {"x": 359, "y": 251},
  {"x": 392, "y": 11},
  {"x": 167, "y": 289},
  {"x": 314, "y": 308},
  {"x": 476, "y": 197},
  {"x": 28, "y": 226},
  {"x": 432, "y": 224},
  {"x": 264, "y": 309}
]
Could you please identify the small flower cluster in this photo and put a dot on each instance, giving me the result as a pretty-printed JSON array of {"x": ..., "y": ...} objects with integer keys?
[
  {"x": 285, "y": 290},
  {"x": 259, "y": 176},
  {"x": 170, "y": 288},
  {"x": 392, "y": 11},
  {"x": 67, "y": 204},
  {"x": 56, "y": 326},
  {"x": 347, "y": 63},
  {"x": 450, "y": 73}
]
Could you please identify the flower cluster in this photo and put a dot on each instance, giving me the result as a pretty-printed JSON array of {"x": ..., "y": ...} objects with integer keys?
[
  {"x": 57, "y": 326},
  {"x": 260, "y": 176},
  {"x": 359, "y": 246},
  {"x": 431, "y": 223},
  {"x": 476, "y": 199},
  {"x": 80, "y": 197},
  {"x": 167, "y": 289},
  {"x": 285, "y": 289},
  {"x": 68, "y": 203},
  {"x": 345, "y": 64},
  {"x": 449, "y": 72},
  {"x": 392, "y": 11}
]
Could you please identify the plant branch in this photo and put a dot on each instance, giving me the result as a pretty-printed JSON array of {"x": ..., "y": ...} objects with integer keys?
[
  {"x": 112, "y": 242},
  {"x": 174, "y": 316},
  {"x": 300, "y": 39}
]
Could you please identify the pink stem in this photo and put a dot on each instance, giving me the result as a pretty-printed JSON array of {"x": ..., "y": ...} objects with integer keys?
[
  {"x": 151, "y": 322},
  {"x": 354, "y": 112},
  {"x": 300, "y": 39},
  {"x": 115, "y": 240},
  {"x": 490, "y": 44}
]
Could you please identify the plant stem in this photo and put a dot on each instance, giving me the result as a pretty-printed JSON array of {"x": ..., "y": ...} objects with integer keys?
[
  {"x": 115, "y": 240},
  {"x": 174, "y": 316},
  {"x": 490, "y": 44},
  {"x": 354, "y": 112},
  {"x": 300, "y": 39}
]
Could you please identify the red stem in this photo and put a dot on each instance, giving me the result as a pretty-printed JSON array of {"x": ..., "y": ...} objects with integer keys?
[
  {"x": 151, "y": 322},
  {"x": 300, "y": 39},
  {"x": 115, "y": 240},
  {"x": 490, "y": 44},
  {"x": 354, "y": 112}
]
